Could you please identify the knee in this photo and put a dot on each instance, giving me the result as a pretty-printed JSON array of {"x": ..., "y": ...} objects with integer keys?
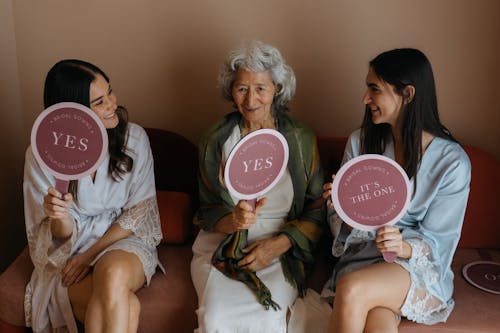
[
  {"x": 111, "y": 280},
  {"x": 350, "y": 289}
]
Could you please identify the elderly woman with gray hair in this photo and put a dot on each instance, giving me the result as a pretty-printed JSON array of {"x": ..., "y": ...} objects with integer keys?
[{"x": 250, "y": 265}]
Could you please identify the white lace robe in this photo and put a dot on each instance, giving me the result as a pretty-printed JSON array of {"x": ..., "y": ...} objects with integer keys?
[{"x": 130, "y": 202}]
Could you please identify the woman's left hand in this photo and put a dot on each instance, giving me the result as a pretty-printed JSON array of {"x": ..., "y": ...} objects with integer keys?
[
  {"x": 389, "y": 239},
  {"x": 261, "y": 253},
  {"x": 77, "y": 267}
]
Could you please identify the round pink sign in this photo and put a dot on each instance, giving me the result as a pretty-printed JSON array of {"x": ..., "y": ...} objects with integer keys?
[
  {"x": 370, "y": 191},
  {"x": 69, "y": 141},
  {"x": 484, "y": 275},
  {"x": 256, "y": 164}
]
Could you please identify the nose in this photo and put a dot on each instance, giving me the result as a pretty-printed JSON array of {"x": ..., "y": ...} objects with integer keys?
[
  {"x": 366, "y": 98},
  {"x": 111, "y": 102},
  {"x": 250, "y": 98}
]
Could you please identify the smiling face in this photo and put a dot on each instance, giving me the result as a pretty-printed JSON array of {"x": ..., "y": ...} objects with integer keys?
[
  {"x": 380, "y": 97},
  {"x": 253, "y": 94},
  {"x": 103, "y": 102}
]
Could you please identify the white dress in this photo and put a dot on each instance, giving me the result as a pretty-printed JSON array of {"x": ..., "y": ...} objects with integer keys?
[
  {"x": 131, "y": 202},
  {"x": 227, "y": 305}
]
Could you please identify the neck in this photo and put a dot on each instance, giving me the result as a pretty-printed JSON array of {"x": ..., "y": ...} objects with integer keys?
[{"x": 250, "y": 126}]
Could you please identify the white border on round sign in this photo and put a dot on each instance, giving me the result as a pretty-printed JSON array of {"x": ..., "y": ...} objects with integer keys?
[
  {"x": 284, "y": 144},
  {"x": 80, "y": 107},
  {"x": 468, "y": 279},
  {"x": 338, "y": 178}
]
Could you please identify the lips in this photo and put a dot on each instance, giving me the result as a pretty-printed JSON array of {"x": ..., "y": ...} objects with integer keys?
[{"x": 109, "y": 116}]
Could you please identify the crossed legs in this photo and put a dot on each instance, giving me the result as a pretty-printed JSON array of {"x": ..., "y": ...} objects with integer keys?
[
  {"x": 105, "y": 300},
  {"x": 367, "y": 300}
]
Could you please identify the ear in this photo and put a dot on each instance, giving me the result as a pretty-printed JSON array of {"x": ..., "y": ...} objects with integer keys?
[{"x": 408, "y": 94}]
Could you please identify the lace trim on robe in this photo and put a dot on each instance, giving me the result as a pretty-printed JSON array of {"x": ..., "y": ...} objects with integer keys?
[
  {"x": 49, "y": 257},
  {"x": 143, "y": 220},
  {"x": 420, "y": 305}
]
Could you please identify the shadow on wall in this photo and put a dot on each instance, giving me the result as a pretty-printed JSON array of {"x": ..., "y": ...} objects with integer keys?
[{"x": 12, "y": 229}]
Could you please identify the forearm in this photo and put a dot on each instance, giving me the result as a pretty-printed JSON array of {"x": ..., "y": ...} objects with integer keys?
[
  {"x": 225, "y": 225},
  {"x": 62, "y": 228},
  {"x": 112, "y": 235}
]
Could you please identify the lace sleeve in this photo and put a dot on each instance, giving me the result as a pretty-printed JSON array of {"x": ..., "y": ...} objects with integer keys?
[
  {"x": 421, "y": 305},
  {"x": 143, "y": 220},
  {"x": 47, "y": 253}
]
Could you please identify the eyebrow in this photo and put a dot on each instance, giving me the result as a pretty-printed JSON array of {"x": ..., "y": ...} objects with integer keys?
[{"x": 101, "y": 97}]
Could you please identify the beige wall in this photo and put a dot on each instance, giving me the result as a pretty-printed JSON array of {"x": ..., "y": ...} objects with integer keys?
[{"x": 163, "y": 56}]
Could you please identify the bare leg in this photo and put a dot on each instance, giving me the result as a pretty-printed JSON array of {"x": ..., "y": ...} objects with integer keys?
[
  {"x": 108, "y": 294},
  {"x": 381, "y": 320},
  {"x": 381, "y": 285}
]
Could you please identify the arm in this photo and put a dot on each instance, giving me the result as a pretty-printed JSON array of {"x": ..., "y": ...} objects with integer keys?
[
  {"x": 438, "y": 232},
  {"x": 49, "y": 243}
]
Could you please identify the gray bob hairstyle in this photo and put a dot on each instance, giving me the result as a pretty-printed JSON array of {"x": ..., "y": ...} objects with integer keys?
[{"x": 256, "y": 56}]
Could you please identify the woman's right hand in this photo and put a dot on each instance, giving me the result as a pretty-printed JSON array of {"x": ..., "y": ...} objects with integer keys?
[
  {"x": 242, "y": 217},
  {"x": 56, "y": 207},
  {"x": 327, "y": 193}
]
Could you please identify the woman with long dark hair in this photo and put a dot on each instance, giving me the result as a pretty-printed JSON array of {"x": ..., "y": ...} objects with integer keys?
[
  {"x": 401, "y": 121},
  {"x": 95, "y": 246}
]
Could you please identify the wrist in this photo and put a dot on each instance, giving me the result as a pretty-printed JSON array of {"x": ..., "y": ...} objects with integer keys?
[
  {"x": 407, "y": 250},
  {"x": 283, "y": 243}
]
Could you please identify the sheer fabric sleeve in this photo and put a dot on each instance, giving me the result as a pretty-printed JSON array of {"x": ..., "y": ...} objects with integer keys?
[
  {"x": 143, "y": 220},
  {"x": 46, "y": 253}
]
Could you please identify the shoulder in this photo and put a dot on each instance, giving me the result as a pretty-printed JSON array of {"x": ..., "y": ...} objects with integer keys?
[
  {"x": 355, "y": 137},
  {"x": 288, "y": 125},
  {"x": 451, "y": 152},
  {"x": 137, "y": 138},
  {"x": 221, "y": 129},
  {"x": 353, "y": 145},
  {"x": 450, "y": 160}
]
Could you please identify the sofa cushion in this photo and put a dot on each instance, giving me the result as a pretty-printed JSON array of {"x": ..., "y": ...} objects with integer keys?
[
  {"x": 176, "y": 213},
  {"x": 12, "y": 285},
  {"x": 169, "y": 303}
]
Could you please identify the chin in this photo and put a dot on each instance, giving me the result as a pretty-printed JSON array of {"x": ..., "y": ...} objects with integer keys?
[{"x": 109, "y": 124}]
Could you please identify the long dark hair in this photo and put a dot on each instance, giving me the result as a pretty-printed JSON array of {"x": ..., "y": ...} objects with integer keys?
[
  {"x": 401, "y": 68},
  {"x": 69, "y": 81}
]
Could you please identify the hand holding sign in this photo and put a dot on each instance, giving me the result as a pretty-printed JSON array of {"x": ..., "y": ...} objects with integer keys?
[
  {"x": 371, "y": 191},
  {"x": 256, "y": 164},
  {"x": 69, "y": 141}
]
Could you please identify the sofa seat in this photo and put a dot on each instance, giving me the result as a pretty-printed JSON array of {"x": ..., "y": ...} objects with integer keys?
[{"x": 168, "y": 303}]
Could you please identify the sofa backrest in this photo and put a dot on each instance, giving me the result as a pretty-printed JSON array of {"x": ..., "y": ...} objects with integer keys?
[
  {"x": 481, "y": 227},
  {"x": 176, "y": 169},
  {"x": 482, "y": 218},
  {"x": 175, "y": 161}
]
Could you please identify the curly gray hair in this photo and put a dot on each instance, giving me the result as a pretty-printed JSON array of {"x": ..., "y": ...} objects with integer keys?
[{"x": 256, "y": 56}]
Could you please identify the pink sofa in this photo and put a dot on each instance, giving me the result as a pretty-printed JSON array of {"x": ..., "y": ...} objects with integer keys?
[{"x": 168, "y": 304}]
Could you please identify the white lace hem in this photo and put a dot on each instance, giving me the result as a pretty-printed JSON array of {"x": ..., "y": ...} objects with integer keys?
[{"x": 421, "y": 305}]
